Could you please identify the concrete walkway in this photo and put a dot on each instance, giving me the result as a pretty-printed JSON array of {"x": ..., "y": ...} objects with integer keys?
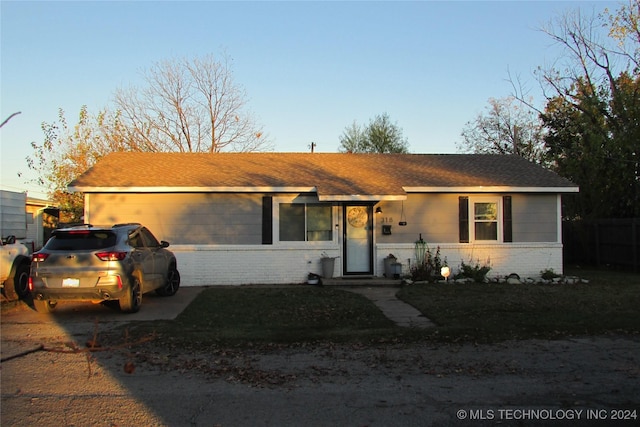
[{"x": 399, "y": 311}]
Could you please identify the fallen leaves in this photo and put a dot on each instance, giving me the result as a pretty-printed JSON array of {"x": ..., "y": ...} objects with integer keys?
[{"x": 129, "y": 367}]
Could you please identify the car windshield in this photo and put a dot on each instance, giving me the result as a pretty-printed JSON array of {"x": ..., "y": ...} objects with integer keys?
[{"x": 81, "y": 240}]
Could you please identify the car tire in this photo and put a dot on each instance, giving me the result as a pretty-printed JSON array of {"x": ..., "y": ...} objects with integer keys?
[
  {"x": 17, "y": 284},
  {"x": 21, "y": 280},
  {"x": 44, "y": 306},
  {"x": 130, "y": 303},
  {"x": 172, "y": 285}
]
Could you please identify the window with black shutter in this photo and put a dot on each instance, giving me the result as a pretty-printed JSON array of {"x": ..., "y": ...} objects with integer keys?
[
  {"x": 267, "y": 220},
  {"x": 507, "y": 223},
  {"x": 464, "y": 219},
  {"x": 485, "y": 219}
]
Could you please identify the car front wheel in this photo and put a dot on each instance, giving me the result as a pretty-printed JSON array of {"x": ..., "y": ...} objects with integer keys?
[
  {"x": 172, "y": 285},
  {"x": 130, "y": 303}
]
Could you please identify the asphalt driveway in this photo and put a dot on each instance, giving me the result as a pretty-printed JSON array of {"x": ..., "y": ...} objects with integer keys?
[{"x": 154, "y": 307}]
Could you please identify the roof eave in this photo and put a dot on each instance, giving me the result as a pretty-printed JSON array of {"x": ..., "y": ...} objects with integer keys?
[
  {"x": 360, "y": 197},
  {"x": 188, "y": 189},
  {"x": 491, "y": 189},
  {"x": 324, "y": 197}
]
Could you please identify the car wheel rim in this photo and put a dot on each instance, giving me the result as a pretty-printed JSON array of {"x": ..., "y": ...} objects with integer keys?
[
  {"x": 136, "y": 295},
  {"x": 172, "y": 282}
]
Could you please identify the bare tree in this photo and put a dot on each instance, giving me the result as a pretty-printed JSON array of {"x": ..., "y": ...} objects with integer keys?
[
  {"x": 508, "y": 127},
  {"x": 592, "y": 109},
  {"x": 190, "y": 106},
  {"x": 624, "y": 27},
  {"x": 590, "y": 60},
  {"x": 9, "y": 118}
]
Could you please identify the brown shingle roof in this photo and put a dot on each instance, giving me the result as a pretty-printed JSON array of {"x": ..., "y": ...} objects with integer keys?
[{"x": 332, "y": 174}]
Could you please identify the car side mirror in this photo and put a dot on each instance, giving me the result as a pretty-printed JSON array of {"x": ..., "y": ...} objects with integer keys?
[{"x": 164, "y": 244}]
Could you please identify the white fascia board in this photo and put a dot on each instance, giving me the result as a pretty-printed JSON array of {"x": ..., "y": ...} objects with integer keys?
[
  {"x": 86, "y": 189},
  {"x": 491, "y": 189},
  {"x": 325, "y": 197},
  {"x": 359, "y": 197}
]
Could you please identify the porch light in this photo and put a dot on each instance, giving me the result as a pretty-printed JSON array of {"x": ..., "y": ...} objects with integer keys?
[
  {"x": 378, "y": 210},
  {"x": 445, "y": 272}
]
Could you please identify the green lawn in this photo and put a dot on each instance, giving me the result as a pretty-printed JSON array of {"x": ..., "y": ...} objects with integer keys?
[
  {"x": 257, "y": 315},
  {"x": 252, "y": 315},
  {"x": 610, "y": 302}
]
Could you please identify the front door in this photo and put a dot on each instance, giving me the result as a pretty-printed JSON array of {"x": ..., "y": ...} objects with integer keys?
[{"x": 358, "y": 239}]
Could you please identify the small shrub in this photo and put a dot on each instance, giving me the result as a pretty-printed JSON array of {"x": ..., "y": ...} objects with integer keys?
[
  {"x": 476, "y": 272},
  {"x": 428, "y": 269},
  {"x": 548, "y": 274}
]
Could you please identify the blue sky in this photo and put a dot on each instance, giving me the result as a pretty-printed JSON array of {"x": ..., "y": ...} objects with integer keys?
[{"x": 309, "y": 68}]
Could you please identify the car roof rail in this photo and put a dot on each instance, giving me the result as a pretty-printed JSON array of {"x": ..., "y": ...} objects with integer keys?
[
  {"x": 71, "y": 226},
  {"x": 124, "y": 224}
]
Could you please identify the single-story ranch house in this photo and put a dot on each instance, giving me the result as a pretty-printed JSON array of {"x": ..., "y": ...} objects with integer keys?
[{"x": 243, "y": 218}]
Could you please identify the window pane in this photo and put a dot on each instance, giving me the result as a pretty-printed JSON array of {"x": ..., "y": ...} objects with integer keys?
[
  {"x": 81, "y": 240},
  {"x": 486, "y": 211},
  {"x": 291, "y": 222},
  {"x": 485, "y": 215},
  {"x": 149, "y": 239},
  {"x": 318, "y": 222},
  {"x": 486, "y": 230}
]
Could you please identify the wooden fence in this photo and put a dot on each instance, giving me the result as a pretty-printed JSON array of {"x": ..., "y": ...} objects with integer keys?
[{"x": 603, "y": 243}]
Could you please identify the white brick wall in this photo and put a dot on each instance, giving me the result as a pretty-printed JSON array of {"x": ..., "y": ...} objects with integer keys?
[
  {"x": 525, "y": 259},
  {"x": 251, "y": 264},
  {"x": 201, "y": 265}
]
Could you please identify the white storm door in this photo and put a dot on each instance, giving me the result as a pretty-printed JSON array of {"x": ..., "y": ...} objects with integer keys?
[{"x": 358, "y": 241}]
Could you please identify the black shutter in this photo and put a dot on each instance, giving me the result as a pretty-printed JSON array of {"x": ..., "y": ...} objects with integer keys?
[
  {"x": 267, "y": 220},
  {"x": 507, "y": 227},
  {"x": 463, "y": 203}
]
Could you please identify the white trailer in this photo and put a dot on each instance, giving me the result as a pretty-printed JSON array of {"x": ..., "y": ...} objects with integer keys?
[
  {"x": 14, "y": 255},
  {"x": 13, "y": 214}
]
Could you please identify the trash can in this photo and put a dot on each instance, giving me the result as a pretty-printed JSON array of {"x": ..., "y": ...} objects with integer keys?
[
  {"x": 396, "y": 268},
  {"x": 388, "y": 263},
  {"x": 328, "y": 265}
]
